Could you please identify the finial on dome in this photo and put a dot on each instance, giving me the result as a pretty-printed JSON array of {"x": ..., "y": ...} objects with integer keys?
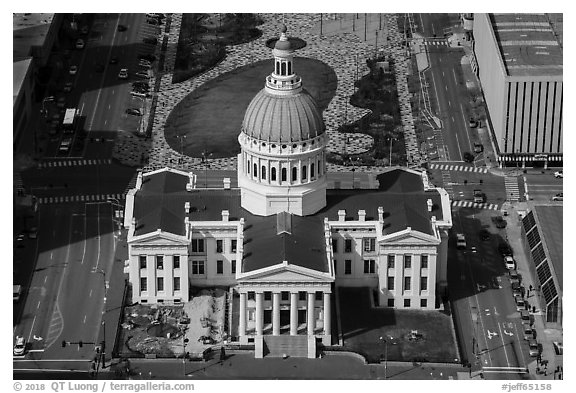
[{"x": 284, "y": 29}]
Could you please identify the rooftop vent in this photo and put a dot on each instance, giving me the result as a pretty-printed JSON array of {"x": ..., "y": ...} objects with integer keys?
[{"x": 283, "y": 223}]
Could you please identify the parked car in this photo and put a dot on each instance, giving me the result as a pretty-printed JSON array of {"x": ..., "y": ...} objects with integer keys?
[
  {"x": 509, "y": 262},
  {"x": 499, "y": 221},
  {"x": 147, "y": 56},
  {"x": 516, "y": 289},
  {"x": 73, "y": 70},
  {"x": 520, "y": 303},
  {"x": 20, "y": 346},
  {"x": 534, "y": 347},
  {"x": 141, "y": 85},
  {"x": 473, "y": 123},
  {"x": 134, "y": 111},
  {"x": 468, "y": 157},
  {"x": 478, "y": 147},
  {"x": 145, "y": 64},
  {"x": 504, "y": 249},
  {"x": 113, "y": 60},
  {"x": 142, "y": 74},
  {"x": 558, "y": 197},
  {"x": 33, "y": 233},
  {"x": 559, "y": 174},
  {"x": 527, "y": 331},
  {"x": 460, "y": 241},
  {"x": 479, "y": 196},
  {"x": 80, "y": 43},
  {"x": 123, "y": 74},
  {"x": 138, "y": 94},
  {"x": 150, "y": 40},
  {"x": 17, "y": 292},
  {"x": 68, "y": 87},
  {"x": 515, "y": 277},
  {"x": 65, "y": 145},
  {"x": 484, "y": 235},
  {"x": 122, "y": 28}
]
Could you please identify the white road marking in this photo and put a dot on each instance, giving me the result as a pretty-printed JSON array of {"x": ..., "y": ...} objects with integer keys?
[
  {"x": 449, "y": 104},
  {"x": 45, "y": 279},
  {"x": 51, "y": 254},
  {"x": 38, "y": 305},
  {"x": 108, "y": 106},
  {"x": 464, "y": 119},
  {"x": 112, "y": 91},
  {"x": 32, "y": 328},
  {"x": 504, "y": 346},
  {"x": 90, "y": 294},
  {"x": 82, "y": 108},
  {"x": 446, "y": 87},
  {"x": 84, "y": 319}
]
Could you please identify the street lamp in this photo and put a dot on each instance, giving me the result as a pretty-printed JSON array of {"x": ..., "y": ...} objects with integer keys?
[
  {"x": 184, "y": 342},
  {"x": 386, "y": 353},
  {"x": 102, "y": 352},
  {"x": 116, "y": 202}
]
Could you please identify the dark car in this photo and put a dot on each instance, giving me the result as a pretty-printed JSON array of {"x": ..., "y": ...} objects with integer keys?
[
  {"x": 134, "y": 111},
  {"x": 147, "y": 57},
  {"x": 114, "y": 60},
  {"x": 504, "y": 249},
  {"x": 478, "y": 147},
  {"x": 484, "y": 235},
  {"x": 472, "y": 123},
  {"x": 122, "y": 28},
  {"x": 150, "y": 40},
  {"x": 153, "y": 21},
  {"x": 141, "y": 86},
  {"x": 468, "y": 157}
]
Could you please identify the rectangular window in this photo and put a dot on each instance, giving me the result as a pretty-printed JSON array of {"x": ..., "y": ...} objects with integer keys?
[
  {"x": 143, "y": 284},
  {"x": 159, "y": 262},
  {"x": 142, "y": 259},
  {"x": 301, "y": 296},
  {"x": 318, "y": 295},
  {"x": 219, "y": 267},
  {"x": 407, "y": 261},
  {"x": 219, "y": 245},
  {"x": 391, "y": 283},
  {"x": 233, "y": 245},
  {"x": 335, "y": 266},
  {"x": 423, "y": 283},
  {"x": 198, "y": 268},
  {"x": 251, "y": 295},
  {"x": 176, "y": 261},
  {"x": 391, "y": 259},
  {"x": 197, "y": 245},
  {"x": 348, "y": 266},
  {"x": 267, "y": 295},
  {"x": 369, "y": 266},
  {"x": 334, "y": 245},
  {"x": 390, "y": 302},
  {"x": 369, "y": 244},
  {"x": 159, "y": 284},
  {"x": 233, "y": 264},
  {"x": 347, "y": 245},
  {"x": 406, "y": 302},
  {"x": 285, "y": 295},
  {"x": 304, "y": 172},
  {"x": 423, "y": 303},
  {"x": 424, "y": 262},
  {"x": 407, "y": 283},
  {"x": 176, "y": 283}
]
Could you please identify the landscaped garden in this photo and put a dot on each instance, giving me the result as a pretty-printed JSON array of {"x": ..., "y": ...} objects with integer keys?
[
  {"x": 411, "y": 335},
  {"x": 376, "y": 91},
  {"x": 210, "y": 118}
]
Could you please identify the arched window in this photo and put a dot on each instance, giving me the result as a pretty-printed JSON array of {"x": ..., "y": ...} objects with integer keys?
[
  {"x": 273, "y": 174},
  {"x": 284, "y": 174},
  {"x": 248, "y": 166},
  {"x": 277, "y": 67},
  {"x": 255, "y": 170},
  {"x": 263, "y": 172},
  {"x": 289, "y": 68},
  {"x": 319, "y": 168},
  {"x": 312, "y": 173},
  {"x": 303, "y": 172},
  {"x": 283, "y": 68},
  {"x": 294, "y": 174}
]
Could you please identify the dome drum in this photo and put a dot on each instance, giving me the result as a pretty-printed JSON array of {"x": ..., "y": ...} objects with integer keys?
[{"x": 283, "y": 149}]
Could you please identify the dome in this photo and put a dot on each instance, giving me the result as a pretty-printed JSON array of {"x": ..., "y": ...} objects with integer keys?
[{"x": 283, "y": 119}]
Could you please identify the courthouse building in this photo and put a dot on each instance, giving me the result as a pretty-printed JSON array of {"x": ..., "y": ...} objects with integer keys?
[{"x": 282, "y": 241}]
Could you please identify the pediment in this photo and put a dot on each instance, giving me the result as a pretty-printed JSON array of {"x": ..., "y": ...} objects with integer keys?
[
  {"x": 286, "y": 273},
  {"x": 409, "y": 237},
  {"x": 156, "y": 238}
]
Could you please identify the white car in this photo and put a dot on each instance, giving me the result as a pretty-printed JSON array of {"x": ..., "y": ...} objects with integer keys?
[
  {"x": 509, "y": 262},
  {"x": 65, "y": 145},
  {"x": 20, "y": 346},
  {"x": 80, "y": 43},
  {"x": 73, "y": 70},
  {"x": 123, "y": 74},
  {"x": 558, "y": 197},
  {"x": 559, "y": 174},
  {"x": 460, "y": 241}
]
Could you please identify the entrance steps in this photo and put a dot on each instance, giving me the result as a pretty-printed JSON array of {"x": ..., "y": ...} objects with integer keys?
[{"x": 286, "y": 345}]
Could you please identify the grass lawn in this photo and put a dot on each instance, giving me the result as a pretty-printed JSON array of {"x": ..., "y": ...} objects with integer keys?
[
  {"x": 362, "y": 327},
  {"x": 211, "y": 116}
]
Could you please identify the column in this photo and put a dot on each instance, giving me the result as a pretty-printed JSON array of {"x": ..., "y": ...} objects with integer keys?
[
  {"x": 293, "y": 313},
  {"x": 327, "y": 313},
  {"x": 310, "y": 313},
  {"x": 242, "y": 327},
  {"x": 276, "y": 313},
  {"x": 259, "y": 313}
]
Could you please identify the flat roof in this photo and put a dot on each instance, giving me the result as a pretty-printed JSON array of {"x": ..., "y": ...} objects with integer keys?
[
  {"x": 29, "y": 29},
  {"x": 159, "y": 204},
  {"x": 550, "y": 223},
  {"x": 530, "y": 44}
]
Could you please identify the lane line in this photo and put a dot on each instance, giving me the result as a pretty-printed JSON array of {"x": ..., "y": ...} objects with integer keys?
[
  {"x": 38, "y": 305},
  {"x": 503, "y": 344}
]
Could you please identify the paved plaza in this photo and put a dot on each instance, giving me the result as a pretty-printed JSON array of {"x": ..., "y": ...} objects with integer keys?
[{"x": 342, "y": 47}]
